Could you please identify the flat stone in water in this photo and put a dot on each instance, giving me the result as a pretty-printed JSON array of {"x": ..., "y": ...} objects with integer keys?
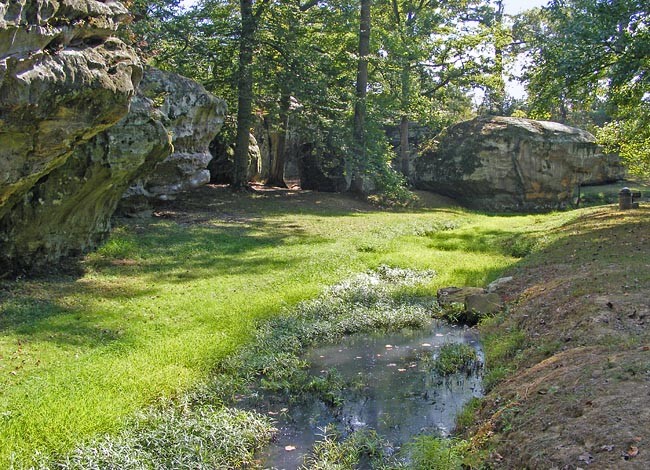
[{"x": 392, "y": 392}]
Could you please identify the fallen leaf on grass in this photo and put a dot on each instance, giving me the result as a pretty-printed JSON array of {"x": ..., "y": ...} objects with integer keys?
[{"x": 632, "y": 452}]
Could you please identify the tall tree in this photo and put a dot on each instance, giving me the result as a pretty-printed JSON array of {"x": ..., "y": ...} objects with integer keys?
[
  {"x": 427, "y": 46},
  {"x": 360, "y": 105},
  {"x": 249, "y": 21}
]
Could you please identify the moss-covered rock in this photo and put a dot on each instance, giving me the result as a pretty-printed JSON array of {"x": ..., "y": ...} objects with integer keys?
[
  {"x": 514, "y": 164},
  {"x": 68, "y": 212}
]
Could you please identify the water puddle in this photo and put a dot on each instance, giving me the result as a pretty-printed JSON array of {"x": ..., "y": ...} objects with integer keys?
[{"x": 391, "y": 389}]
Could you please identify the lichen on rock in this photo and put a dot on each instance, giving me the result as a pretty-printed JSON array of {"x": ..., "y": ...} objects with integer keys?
[
  {"x": 514, "y": 164},
  {"x": 193, "y": 117}
]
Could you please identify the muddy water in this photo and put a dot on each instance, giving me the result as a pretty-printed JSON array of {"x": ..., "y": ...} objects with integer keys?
[{"x": 392, "y": 390}]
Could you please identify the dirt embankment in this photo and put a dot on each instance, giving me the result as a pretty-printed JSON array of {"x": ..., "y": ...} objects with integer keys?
[{"x": 581, "y": 391}]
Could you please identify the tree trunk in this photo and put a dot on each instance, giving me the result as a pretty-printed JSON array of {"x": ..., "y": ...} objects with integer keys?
[
  {"x": 404, "y": 147},
  {"x": 359, "y": 132},
  {"x": 245, "y": 96},
  {"x": 404, "y": 153},
  {"x": 276, "y": 175},
  {"x": 500, "y": 95}
]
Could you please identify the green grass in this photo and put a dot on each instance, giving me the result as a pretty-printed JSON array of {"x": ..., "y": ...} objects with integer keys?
[
  {"x": 454, "y": 358},
  {"x": 436, "y": 453},
  {"x": 163, "y": 301}
]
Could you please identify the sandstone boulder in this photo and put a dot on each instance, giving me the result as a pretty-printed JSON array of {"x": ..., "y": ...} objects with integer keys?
[
  {"x": 69, "y": 211},
  {"x": 193, "y": 117},
  {"x": 64, "y": 77},
  {"x": 514, "y": 164}
]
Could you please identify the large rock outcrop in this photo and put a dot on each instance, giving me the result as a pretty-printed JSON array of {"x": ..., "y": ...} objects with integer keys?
[
  {"x": 64, "y": 77},
  {"x": 514, "y": 164},
  {"x": 69, "y": 211},
  {"x": 193, "y": 117}
]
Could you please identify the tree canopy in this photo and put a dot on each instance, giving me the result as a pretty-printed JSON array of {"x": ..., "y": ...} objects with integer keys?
[
  {"x": 595, "y": 52},
  {"x": 425, "y": 59}
]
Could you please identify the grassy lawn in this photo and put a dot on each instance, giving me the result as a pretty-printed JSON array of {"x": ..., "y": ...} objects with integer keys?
[{"x": 166, "y": 298}]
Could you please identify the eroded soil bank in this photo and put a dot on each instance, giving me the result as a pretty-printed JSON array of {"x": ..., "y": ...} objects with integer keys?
[{"x": 581, "y": 308}]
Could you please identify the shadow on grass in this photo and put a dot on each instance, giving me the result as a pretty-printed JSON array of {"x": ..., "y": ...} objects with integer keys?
[
  {"x": 172, "y": 252},
  {"x": 505, "y": 242},
  {"x": 48, "y": 321},
  {"x": 166, "y": 254}
]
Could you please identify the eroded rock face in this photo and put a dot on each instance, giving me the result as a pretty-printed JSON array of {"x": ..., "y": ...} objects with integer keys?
[
  {"x": 69, "y": 211},
  {"x": 63, "y": 79},
  {"x": 514, "y": 164},
  {"x": 193, "y": 117}
]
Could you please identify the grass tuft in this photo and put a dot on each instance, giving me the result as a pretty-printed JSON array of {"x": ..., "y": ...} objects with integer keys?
[{"x": 454, "y": 358}]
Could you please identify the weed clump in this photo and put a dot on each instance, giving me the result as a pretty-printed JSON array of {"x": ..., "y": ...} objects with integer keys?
[
  {"x": 436, "y": 453},
  {"x": 454, "y": 358},
  {"x": 363, "y": 303},
  {"x": 178, "y": 437},
  {"x": 332, "y": 452}
]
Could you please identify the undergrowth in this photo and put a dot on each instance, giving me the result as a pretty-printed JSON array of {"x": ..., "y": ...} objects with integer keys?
[{"x": 454, "y": 358}]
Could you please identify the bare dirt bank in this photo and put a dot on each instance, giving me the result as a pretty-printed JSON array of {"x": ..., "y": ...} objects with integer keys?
[{"x": 579, "y": 393}]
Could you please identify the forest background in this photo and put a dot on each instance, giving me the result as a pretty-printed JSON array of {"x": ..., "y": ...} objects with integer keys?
[{"x": 344, "y": 72}]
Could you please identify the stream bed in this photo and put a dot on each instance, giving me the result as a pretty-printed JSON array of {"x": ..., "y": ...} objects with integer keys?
[{"x": 391, "y": 388}]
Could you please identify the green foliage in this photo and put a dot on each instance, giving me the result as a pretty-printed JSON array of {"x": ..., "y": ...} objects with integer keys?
[
  {"x": 630, "y": 138},
  {"x": 501, "y": 350},
  {"x": 586, "y": 51},
  {"x": 454, "y": 358},
  {"x": 467, "y": 416},
  {"x": 453, "y": 312},
  {"x": 436, "y": 453}
]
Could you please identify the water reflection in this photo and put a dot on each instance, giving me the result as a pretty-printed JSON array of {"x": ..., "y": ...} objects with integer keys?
[{"x": 391, "y": 389}]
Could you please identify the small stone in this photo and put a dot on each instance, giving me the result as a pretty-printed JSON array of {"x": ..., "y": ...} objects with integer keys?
[
  {"x": 494, "y": 285},
  {"x": 483, "y": 304}
]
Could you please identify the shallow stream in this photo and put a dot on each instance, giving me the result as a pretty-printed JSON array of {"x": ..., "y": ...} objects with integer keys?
[{"x": 392, "y": 389}]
